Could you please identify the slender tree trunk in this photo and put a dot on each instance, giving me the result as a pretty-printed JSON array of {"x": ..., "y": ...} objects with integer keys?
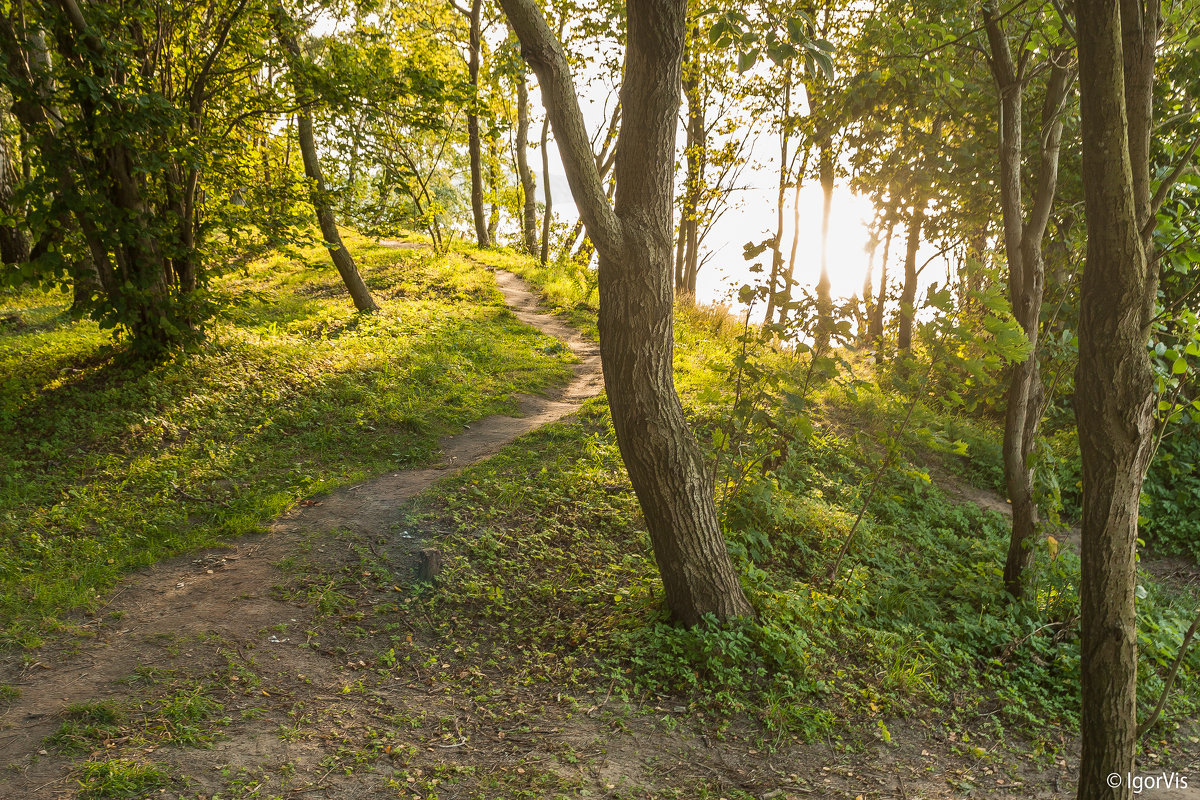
[
  {"x": 547, "y": 210},
  {"x": 824, "y": 301},
  {"x": 908, "y": 292},
  {"x": 777, "y": 249},
  {"x": 312, "y": 168},
  {"x": 1026, "y": 276},
  {"x": 789, "y": 276},
  {"x": 493, "y": 188},
  {"x": 529, "y": 198},
  {"x": 696, "y": 153},
  {"x": 474, "y": 145},
  {"x": 633, "y": 240},
  {"x": 1114, "y": 400},
  {"x": 875, "y": 326}
]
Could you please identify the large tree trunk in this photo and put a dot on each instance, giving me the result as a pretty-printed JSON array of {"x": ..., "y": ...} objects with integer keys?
[
  {"x": 312, "y": 168},
  {"x": 473, "y": 141},
  {"x": 528, "y": 197},
  {"x": 1114, "y": 399},
  {"x": 636, "y": 298}
]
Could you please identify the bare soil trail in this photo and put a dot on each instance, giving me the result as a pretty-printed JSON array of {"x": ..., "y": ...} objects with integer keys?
[{"x": 218, "y": 601}]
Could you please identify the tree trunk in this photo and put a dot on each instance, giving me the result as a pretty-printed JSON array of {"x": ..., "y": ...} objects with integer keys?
[
  {"x": 875, "y": 325},
  {"x": 312, "y": 168},
  {"x": 529, "y": 199},
  {"x": 493, "y": 188},
  {"x": 824, "y": 301},
  {"x": 1026, "y": 276},
  {"x": 908, "y": 292},
  {"x": 633, "y": 240},
  {"x": 694, "y": 153},
  {"x": 789, "y": 275},
  {"x": 474, "y": 146},
  {"x": 547, "y": 213},
  {"x": 777, "y": 248},
  {"x": 1114, "y": 401}
]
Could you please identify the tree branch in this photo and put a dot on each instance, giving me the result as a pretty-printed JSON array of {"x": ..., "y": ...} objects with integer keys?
[{"x": 542, "y": 50}]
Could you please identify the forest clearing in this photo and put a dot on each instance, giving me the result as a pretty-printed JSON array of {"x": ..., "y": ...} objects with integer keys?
[{"x": 342, "y": 456}]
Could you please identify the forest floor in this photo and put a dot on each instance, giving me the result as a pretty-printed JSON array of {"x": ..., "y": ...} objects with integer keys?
[{"x": 270, "y": 669}]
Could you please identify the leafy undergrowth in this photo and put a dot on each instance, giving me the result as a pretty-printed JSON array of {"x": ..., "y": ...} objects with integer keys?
[
  {"x": 110, "y": 464},
  {"x": 548, "y": 560}
]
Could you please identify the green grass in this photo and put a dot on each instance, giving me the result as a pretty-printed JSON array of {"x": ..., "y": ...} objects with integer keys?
[
  {"x": 111, "y": 464},
  {"x": 548, "y": 560},
  {"x": 120, "y": 778},
  {"x": 86, "y": 727}
]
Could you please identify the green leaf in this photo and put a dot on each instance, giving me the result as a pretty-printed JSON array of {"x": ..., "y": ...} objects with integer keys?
[{"x": 1179, "y": 367}]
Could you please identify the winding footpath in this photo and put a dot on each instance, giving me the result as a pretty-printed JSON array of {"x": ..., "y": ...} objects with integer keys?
[{"x": 185, "y": 607}]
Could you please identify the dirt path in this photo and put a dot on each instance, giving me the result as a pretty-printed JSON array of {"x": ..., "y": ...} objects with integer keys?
[{"x": 223, "y": 598}]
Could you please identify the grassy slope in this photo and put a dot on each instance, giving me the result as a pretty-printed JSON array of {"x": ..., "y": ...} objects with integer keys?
[
  {"x": 550, "y": 556},
  {"x": 549, "y": 583},
  {"x": 108, "y": 466}
]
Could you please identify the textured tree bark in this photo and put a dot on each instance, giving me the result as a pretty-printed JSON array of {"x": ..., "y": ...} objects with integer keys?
[
  {"x": 473, "y": 141},
  {"x": 529, "y": 199},
  {"x": 1026, "y": 272},
  {"x": 634, "y": 244},
  {"x": 1114, "y": 398},
  {"x": 312, "y": 168}
]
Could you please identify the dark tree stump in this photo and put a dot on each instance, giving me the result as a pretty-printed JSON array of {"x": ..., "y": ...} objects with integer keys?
[{"x": 429, "y": 564}]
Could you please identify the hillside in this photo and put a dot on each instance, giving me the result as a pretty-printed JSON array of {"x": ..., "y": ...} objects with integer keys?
[{"x": 212, "y": 569}]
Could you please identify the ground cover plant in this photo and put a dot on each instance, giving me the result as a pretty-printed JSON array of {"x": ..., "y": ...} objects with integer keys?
[
  {"x": 111, "y": 465},
  {"x": 917, "y": 625}
]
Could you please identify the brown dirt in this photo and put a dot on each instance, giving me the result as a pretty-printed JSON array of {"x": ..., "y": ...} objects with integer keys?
[{"x": 289, "y": 632}]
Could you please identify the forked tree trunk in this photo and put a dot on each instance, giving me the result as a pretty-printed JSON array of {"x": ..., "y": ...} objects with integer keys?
[
  {"x": 312, "y": 168},
  {"x": 1026, "y": 273},
  {"x": 474, "y": 146},
  {"x": 636, "y": 296},
  {"x": 528, "y": 186},
  {"x": 1114, "y": 401}
]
